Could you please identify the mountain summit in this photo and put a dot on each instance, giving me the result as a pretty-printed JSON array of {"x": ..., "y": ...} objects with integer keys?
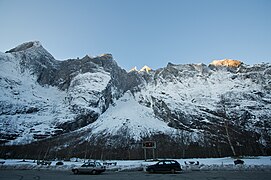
[
  {"x": 145, "y": 69},
  {"x": 227, "y": 62},
  {"x": 91, "y": 103},
  {"x": 25, "y": 46}
]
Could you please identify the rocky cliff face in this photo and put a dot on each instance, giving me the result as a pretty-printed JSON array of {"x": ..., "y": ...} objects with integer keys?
[
  {"x": 226, "y": 103},
  {"x": 215, "y": 103},
  {"x": 43, "y": 97}
]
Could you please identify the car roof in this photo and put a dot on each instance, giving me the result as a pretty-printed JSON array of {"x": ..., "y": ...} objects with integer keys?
[{"x": 167, "y": 160}]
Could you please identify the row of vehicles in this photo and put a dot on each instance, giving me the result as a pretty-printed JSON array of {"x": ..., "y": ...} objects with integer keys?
[{"x": 171, "y": 166}]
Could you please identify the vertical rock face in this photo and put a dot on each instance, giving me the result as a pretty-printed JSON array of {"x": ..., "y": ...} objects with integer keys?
[{"x": 224, "y": 102}]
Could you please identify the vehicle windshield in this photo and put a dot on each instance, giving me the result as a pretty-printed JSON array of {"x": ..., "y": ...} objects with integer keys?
[
  {"x": 98, "y": 164},
  {"x": 160, "y": 163}
]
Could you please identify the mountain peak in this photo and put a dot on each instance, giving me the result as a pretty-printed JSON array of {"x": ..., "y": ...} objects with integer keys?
[
  {"x": 227, "y": 62},
  {"x": 25, "y": 46},
  {"x": 145, "y": 69},
  {"x": 106, "y": 56},
  {"x": 134, "y": 69}
]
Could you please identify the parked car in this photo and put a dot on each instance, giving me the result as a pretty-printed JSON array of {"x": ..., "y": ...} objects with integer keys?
[
  {"x": 42, "y": 162},
  {"x": 59, "y": 163},
  {"x": 164, "y": 166},
  {"x": 239, "y": 161},
  {"x": 89, "y": 167}
]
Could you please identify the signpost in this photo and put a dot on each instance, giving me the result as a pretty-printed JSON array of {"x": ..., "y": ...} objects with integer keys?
[{"x": 149, "y": 145}]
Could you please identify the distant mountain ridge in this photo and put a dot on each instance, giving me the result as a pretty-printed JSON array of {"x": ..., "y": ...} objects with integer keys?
[{"x": 224, "y": 107}]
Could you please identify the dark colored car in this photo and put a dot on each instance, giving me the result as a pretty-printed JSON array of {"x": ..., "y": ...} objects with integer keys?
[
  {"x": 164, "y": 166},
  {"x": 89, "y": 167}
]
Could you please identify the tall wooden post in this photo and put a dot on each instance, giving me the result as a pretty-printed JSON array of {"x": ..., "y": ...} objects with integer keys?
[{"x": 145, "y": 154}]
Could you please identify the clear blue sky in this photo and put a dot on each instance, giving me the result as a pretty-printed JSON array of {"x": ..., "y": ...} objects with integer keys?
[{"x": 139, "y": 32}]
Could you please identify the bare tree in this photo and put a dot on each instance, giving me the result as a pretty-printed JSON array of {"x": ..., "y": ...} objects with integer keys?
[{"x": 225, "y": 119}]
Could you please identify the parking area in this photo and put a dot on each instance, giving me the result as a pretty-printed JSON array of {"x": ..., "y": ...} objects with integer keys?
[{"x": 111, "y": 175}]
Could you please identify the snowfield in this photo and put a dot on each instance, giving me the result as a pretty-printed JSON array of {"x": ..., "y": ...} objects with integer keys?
[
  {"x": 128, "y": 114},
  {"x": 205, "y": 164}
]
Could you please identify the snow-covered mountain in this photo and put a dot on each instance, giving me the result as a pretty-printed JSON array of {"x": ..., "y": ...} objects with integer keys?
[{"x": 224, "y": 103}]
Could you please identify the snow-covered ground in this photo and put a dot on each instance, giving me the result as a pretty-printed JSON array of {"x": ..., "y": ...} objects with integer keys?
[
  {"x": 205, "y": 164},
  {"x": 128, "y": 114}
]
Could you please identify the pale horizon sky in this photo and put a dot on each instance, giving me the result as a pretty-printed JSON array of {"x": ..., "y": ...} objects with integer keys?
[{"x": 142, "y": 32}]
